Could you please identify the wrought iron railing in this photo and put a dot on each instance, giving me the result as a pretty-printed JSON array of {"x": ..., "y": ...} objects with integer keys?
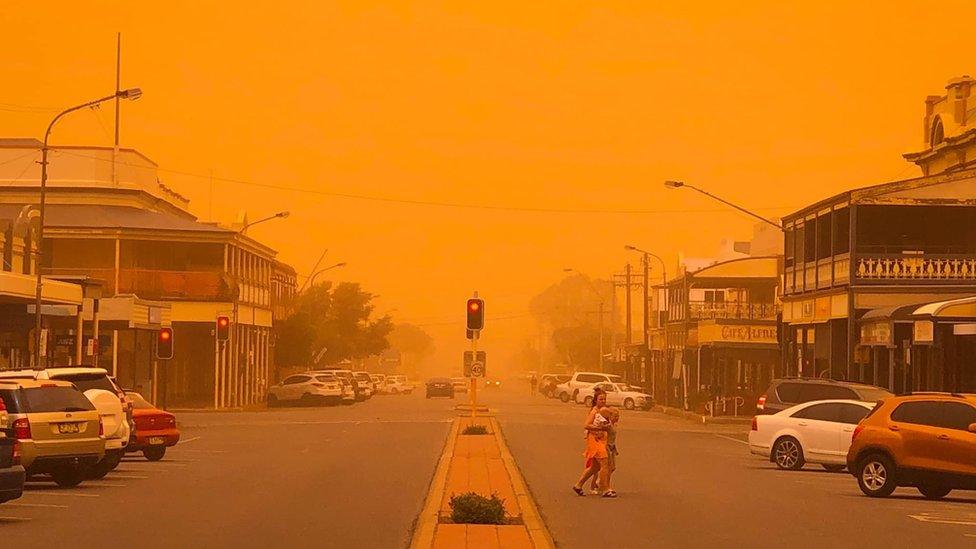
[
  {"x": 706, "y": 310},
  {"x": 915, "y": 267}
]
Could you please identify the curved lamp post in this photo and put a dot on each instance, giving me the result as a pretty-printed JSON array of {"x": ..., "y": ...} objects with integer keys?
[
  {"x": 679, "y": 184},
  {"x": 311, "y": 280}
]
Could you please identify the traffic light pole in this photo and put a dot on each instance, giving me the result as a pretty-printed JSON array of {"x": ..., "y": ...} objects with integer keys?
[{"x": 474, "y": 380}]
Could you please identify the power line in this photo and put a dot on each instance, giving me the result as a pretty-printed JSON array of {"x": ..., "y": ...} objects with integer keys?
[{"x": 412, "y": 202}]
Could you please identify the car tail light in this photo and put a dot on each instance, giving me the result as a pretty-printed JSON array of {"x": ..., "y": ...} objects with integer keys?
[
  {"x": 761, "y": 403},
  {"x": 755, "y": 423},
  {"x": 857, "y": 431},
  {"x": 16, "y": 455},
  {"x": 101, "y": 428},
  {"x": 3, "y": 407},
  {"x": 22, "y": 430},
  {"x": 317, "y": 384}
]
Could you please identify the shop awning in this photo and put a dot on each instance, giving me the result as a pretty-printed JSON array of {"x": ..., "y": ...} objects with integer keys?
[
  {"x": 898, "y": 312},
  {"x": 964, "y": 307},
  {"x": 21, "y": 288}
]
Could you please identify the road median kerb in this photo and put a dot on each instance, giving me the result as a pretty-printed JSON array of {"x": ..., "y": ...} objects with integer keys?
[{"x": 423, "y": 534}]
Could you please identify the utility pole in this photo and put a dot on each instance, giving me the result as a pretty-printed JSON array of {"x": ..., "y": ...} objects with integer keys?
[
  {"x": 630, "y": 319},
  {"x": 118, "y": 88},
  {"x": 647, "y": 316}
]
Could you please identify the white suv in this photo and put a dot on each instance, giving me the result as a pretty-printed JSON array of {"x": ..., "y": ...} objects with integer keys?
[
  {"x": 306, "y": 389},
  {"x": 583, "y": 380},
  {"x": 398, "y": 385},
  {"x": 113, "y": 408}
]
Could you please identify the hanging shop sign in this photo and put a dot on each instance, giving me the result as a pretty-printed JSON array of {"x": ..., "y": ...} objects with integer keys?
[
  {"x": 923, "y": 332},
  {"x": 876, "y": 333}
]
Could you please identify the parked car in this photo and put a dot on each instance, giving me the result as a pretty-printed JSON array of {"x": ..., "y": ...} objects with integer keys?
[
  {"x": 788, "y": 392},
  {"x": 365, "y": 384},
  {"x": 548, "y": 383},
  {"x": 358, "y": 390},
  {"x": 307, "y": 389},
  {"x": 583, "y": 380},
  {"x": 398, "y": 384},
  {"x": 460, "y": 384},
  {"x": 814, "y": 432},
  {"x": 107, "y": 397},
  {"x": 618, "y": 394},
  {"x": 925, "y": 440},
  {"x": 155, "y": 429},
  {"x": 379, "y": 383},
  {"x": 58, "y": 429},
  {"x": 12, "y": 474},
  {"x": 440, "y": 386}
]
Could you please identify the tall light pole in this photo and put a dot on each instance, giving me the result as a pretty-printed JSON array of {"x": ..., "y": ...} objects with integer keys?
[
  {"x": 600, "y": 297},
  {"x": 279, "y": 215},
  {"x": 311, "y": 279},
  {"x": 647, "y": 285},
  {"x": 679, "y": 184},
  {"x": 131, "y": 94}
]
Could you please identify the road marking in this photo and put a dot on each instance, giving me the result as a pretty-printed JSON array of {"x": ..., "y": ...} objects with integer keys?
[
  {"x": 15, "y": 519},
  {"x": 107, "y": 484},
  {"x": 184, "y": 441},
  {"x": 44, "y": 505},
  {"x": 924, "y": 518},
  {"x": 66, "y": 494},
  {"x": 128, "y": 477},
  {"x": 732, "y": 439}
]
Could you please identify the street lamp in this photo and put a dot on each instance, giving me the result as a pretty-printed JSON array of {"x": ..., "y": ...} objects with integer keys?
[
  {"x": 279, "y": 215},
  {"x": 678, "y": 184},
  {"x": 311, "y": 280},
  {"x": 600, "y": 297},
  {"x": 131, "y": 94}
]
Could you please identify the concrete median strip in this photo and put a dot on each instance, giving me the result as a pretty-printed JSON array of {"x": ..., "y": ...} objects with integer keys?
[{"x": 481, "y": 464}]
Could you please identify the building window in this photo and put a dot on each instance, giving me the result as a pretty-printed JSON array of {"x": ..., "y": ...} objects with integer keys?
[
  {"x": 824, "y": 223},
  {"x": 938, "y": 132},
  {"x": 788, "y": 247},
  {"x": 810, "y": 241},
  {"x": 842, "y": 231}
]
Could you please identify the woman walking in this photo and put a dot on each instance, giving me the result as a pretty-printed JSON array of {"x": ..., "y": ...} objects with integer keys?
[{"x": 596, "y": 447}]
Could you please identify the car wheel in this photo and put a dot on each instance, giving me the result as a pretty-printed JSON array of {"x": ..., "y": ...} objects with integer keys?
[
  {"x": 575, "y": 395},
  {"x": 588, "y": 401},
  {"x": 833, "y": 468},
  {"x": 394, "y": 391},
  {"x": 154, "y": 453},
  {"x": 69, "y": 477},
  {"x": 307, "y": 400},
  {"x": 550, "y": 393},
  {"x": 272, "y": 401},
  {"x": 629, "y": 404},
  {"x": 428, "y": 395},
  {"x": 934, "y": 491},
  {"x": 787, "y": 454},
  {"x": 564, "y": 397},
  {"x": 876, "y": 476},
  {"x": 99, "y": 470}
]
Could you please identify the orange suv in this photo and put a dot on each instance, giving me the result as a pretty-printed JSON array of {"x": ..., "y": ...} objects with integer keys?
[{"x": 925, "y": 440}]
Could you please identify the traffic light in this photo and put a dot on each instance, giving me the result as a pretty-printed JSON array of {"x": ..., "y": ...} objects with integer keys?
[
  {"x": 223, "y": 328},
  {"x": 476, "y": 314},
  {"x": 164, "y": 344}
]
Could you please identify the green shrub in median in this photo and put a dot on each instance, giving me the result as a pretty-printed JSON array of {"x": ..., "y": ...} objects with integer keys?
[
  {"x": 475, "y": 430},
  {"x": 472, "y": 508}
]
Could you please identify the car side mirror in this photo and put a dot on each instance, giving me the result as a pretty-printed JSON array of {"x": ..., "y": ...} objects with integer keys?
[{"x": 972, "y": 427}]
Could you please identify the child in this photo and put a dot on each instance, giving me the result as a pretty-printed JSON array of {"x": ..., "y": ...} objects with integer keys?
[{"x": 613, "y": 417}]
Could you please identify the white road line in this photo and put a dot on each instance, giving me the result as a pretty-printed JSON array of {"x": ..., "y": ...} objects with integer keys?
[
  {"x": 923, "y": 518},
  {"x": 44, "y": 505},
  {"x": 106, "y": 484},
  {"x": 66, "y": 494},
  {"x": 732, "y": 439},
  {"x": 127, "y": 477},
  {"x": 21, "y": 519},
  {"x": 184, "y": 441}
]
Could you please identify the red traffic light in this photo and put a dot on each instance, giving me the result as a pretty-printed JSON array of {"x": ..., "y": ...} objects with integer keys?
[
  {"x": 223, "y": 328},
  {"x": 476, "y": 314},
  {"x": 164, "y": 344}
]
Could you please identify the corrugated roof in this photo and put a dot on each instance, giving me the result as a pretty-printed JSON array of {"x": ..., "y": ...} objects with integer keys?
[{"x": 95, "y": 216}]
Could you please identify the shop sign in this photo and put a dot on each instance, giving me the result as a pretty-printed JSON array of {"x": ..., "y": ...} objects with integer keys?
[
  {"x": 964, "y": 329},
  {"x": 808, "y": 309},
  {"x": 737, "y": 333},
  {"x": 876, "y": 333},
  {"x": 923, "y": 331},
  {"x": 64, "y": 340}
]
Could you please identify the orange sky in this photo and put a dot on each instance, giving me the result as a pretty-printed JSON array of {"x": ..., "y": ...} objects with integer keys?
[{"x": 568, "y": 105}]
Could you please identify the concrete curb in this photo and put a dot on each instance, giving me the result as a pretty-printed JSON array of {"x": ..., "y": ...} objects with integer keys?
[
  {"x": 541, "y": 538},
  {"x": 423, "y": 533}
]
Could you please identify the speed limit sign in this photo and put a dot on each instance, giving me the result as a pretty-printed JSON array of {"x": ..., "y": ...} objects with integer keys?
[{"x": 477, "y": 370}]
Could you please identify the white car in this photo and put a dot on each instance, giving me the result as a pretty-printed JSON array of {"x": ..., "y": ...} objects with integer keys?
[
  {"x": 583, "y": 380},
  {"x": 365, "y": 382},
  {"x": 812, "y": 432},
  {"x": 398, "y": 385},
  {"x": 306, "y": 389},
  {"x": 113, "y": 408},
  {"x": 460, "y": 384},
  {"x": 379, "y": 383},
  {"x": 618, "y": 394}
]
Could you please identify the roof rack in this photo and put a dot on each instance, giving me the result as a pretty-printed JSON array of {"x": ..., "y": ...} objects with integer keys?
[{"x": 935, "y": 393}]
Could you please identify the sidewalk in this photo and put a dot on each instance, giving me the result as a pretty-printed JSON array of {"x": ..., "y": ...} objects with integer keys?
[{"x": 484, "y": 465}]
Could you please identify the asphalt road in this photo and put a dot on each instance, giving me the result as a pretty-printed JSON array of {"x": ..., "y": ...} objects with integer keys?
[
  {"x": 688, "y": 485},
  {"x": 343, "y": 476}
]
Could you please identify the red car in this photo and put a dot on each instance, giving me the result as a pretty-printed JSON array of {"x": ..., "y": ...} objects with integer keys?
[{"x": 155, "y": 429}]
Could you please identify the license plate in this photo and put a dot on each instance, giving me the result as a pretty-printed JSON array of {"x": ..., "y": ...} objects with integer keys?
[
  {"x": 66, "y": 428},
  {"x": 154, "y": 441}
]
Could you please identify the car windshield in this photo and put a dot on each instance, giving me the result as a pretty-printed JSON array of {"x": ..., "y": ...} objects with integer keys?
[
  {"x": 53, "y": 399},
  {"x": 139, "y": 402},
  {"x": 85, "y": 382}
]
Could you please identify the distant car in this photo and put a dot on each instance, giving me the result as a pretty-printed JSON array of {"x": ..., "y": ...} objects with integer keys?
[
  {"x": 379, "y": 383},
  {"x": 12, "y": 474},
  {"x": 365, "y": 384},
  {"x": 307, "y": 389},
  {"x": 813, "y": 432},
  {"x": 583, "y": 380},
  {"x": 358, "y": 391},
  {"x": 618, "y": 394},
  {"x": 58, "y": 430},
  {"x": 923, "y": 440},
  {"x": 460, "y": 384},
  {"x": 107, "y": 397},
  {"x": 440, "y": 386},
  {"x": 548, "y": 383},
  {"x": 493, "y": 383},
  {"x": 398, "y": 384},
  {"x": 155, "y": 429},
  {"x": 788, "y": 392}
]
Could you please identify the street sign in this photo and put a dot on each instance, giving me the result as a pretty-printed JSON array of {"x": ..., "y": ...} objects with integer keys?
[
  {"x": 470, "y": 359},
  {"x": 477, "y": 370}
]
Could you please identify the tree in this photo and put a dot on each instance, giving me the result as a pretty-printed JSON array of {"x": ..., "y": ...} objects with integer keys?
[
  {"x": 414, "y": 345},
  {"x": 334, "y": 319},
  {"x": 570, "y": 309}
]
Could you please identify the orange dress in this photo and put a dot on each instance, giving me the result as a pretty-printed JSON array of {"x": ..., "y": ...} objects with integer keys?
[{"x": 596, "y": 444}]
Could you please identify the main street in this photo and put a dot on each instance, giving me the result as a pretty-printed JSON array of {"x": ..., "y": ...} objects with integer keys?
[{"x": 682, "y": 484}]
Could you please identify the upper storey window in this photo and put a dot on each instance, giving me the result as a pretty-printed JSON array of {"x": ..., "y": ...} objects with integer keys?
[{"x": 938, "y": 132}]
